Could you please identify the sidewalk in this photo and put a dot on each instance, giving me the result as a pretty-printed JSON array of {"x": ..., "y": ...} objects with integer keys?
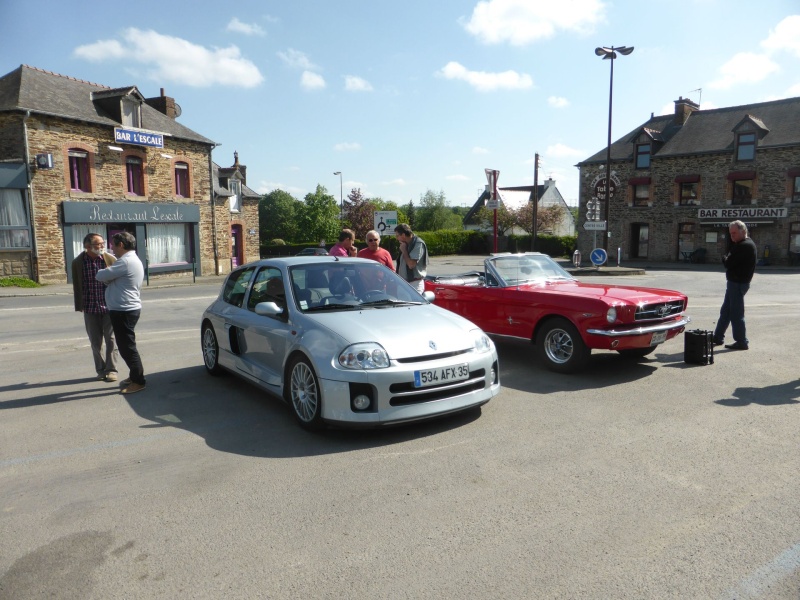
[{"x": 439, "y": 265}]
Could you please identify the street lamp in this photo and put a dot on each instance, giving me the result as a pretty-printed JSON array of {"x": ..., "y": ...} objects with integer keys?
[
  {"x": 610, "y": 54},
  {"x": 341, "y": 197}
]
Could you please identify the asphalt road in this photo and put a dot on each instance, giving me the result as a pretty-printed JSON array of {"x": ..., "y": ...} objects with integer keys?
[{"x": 654, "y": 479}]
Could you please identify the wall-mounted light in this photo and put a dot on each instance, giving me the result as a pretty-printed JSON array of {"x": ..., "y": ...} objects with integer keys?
[
  {"x": 116, "y": 149},
  {"x": 167, "y": 156},
  {"x": 251, "y": 231},
  {"x": 44, "y": 161}
]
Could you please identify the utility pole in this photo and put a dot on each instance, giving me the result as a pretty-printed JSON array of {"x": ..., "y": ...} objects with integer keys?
[{"x": 534, "y": 198}]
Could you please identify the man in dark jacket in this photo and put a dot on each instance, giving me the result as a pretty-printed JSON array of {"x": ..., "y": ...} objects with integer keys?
[
  {"x": 740, "y": 263},
  {"x": 89, "y": 295}
]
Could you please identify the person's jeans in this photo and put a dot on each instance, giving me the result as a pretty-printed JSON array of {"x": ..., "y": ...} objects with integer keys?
[
  {"x": 99, "y": 329},
  {"x": 732, "y": 313},
  {"x": 124, "y": 323}
]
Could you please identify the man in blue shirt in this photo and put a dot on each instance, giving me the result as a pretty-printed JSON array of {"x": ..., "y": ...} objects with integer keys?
[{"x": 123, "y": 282}]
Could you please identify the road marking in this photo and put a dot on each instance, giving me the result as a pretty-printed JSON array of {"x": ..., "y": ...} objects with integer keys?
[
  {"x": 759, "y": 583},
  {"x": 145, "y": 337}
]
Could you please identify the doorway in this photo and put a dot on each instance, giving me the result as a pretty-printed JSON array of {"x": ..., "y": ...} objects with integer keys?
[
  {"x": 237, "y": 246},
  {"x": 640, "y": 240}
]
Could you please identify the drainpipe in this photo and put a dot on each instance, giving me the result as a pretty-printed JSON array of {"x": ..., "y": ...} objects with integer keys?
[
  {"x": 213, "y": 210},
  {"x": 27, "y": 159}
]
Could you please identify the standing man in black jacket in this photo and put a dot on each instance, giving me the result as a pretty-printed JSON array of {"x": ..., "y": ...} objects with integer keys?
[{"x": 740, "y": 263}]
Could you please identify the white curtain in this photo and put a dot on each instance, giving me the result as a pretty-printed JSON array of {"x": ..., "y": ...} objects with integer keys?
[
  {"x": 166, "y": 244},
  {"x": 80, "y": 231},
  {"x": 12, "y": 213}
]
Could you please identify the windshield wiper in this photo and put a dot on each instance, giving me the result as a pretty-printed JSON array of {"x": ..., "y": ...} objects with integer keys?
[
  {"x": 390, "y": 302},
  {"x": 332, "y": 307}
]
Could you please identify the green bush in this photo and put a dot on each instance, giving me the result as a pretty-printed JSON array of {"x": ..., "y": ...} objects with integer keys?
[{"x": 22, "y": 282}]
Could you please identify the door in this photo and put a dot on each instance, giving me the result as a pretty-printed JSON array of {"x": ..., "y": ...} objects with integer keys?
[
  {"x": 237, "y": 246},
  {"x": 640, "y": 240}
]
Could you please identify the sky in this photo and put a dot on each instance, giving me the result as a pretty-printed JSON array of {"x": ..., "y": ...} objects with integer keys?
[{"x": 406, "y": 97}]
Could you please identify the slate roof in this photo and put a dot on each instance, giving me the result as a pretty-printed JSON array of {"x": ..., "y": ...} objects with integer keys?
[
  {"x": 711, "y": 131},
  {"x": 223, "y": 191},
  {"x": 42, "y": 92}
]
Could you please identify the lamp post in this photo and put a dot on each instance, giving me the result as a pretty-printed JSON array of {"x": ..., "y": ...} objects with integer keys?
[
  {"x": 609, "y": 54},
  {"x": 341, "y": 197}
]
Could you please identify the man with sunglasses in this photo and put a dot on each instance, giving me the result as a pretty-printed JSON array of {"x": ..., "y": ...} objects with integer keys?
[
  {"x": 373, "y": 251},
  {"x": 89, "y": 296}
]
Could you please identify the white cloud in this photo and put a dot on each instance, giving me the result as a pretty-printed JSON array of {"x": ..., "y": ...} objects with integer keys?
[
  {"x": 312, "y": 81},
  {"x": 265, "y": 187},
  {"x": 172, "y": 59},
  {"x": 236, "y": 26},
  {"x": 521, "y": 22},
  {"x": 744, "y": 67},
  {"x": 557, "y": 102},
  {"x": 347, "y": 146},
  {"x": 486, "y": 82},
  {"x": 457, "y": 178},
  {"x": 296, "y": 60},
  {"x": 398, "y": 181},
  {"x": 356, "y": 84},
  {"x": 786, "y": 36},
  {"x": 562, "y": 151},
  {"x": 479, "y": 150}
]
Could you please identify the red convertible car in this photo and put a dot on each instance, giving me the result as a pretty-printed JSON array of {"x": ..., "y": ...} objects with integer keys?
[{"x": 530, "y": 296}]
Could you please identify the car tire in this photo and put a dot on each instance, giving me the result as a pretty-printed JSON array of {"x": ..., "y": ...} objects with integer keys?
[
  {"x": 210, "y": 347},
  {"x": 636, "y": 353},
  {"x": 304, "y": 395},
  {"x": 561, "y": 348}
]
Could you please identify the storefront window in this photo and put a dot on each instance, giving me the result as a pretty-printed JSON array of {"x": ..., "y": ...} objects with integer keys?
[
  {"x": 167, "y": 244},
  {"x": 15, "y": 232}
]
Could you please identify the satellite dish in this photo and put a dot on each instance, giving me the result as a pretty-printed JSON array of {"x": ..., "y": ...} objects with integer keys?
[{"x": 178, "y": 110}]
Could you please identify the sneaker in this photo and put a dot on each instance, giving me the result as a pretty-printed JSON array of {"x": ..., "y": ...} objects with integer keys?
[
  {"x": 125, "y": 382},
  {"x": 737, "y": 346},
  {"x": 111, "y": 376},
  {"x": 132, "y": 388}
]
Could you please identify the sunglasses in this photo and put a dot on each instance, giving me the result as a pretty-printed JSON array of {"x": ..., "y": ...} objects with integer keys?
[{"x": 373, "y": 240}]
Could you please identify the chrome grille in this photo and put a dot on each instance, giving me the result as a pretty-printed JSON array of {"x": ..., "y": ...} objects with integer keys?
[{"x": 659, "y": 311}]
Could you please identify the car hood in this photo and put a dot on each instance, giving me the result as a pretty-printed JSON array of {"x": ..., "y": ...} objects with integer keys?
[
  {"x": 403, "y": 331},
  {"x": 612, "y": 294}
]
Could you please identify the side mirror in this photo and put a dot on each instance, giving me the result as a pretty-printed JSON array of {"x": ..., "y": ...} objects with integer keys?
[
  {"x": 268, "y": 309},
  {"x": 429, "y": 296}
]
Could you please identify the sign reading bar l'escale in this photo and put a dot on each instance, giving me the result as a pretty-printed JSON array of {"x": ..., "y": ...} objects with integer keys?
[{"x": 138, "y": 138}]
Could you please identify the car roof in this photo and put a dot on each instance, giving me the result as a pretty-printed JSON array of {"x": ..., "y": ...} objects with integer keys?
[{"x": 290, "y": 261}]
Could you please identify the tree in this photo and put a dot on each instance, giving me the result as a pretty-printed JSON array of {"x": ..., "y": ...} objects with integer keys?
[
  {"x": 276, "y": 216},
  {"x": 434, "y": 213},
  {"x": 410, "y": 213},
  {"x": 547, "y": 217},
  {"x": 318, "y": 217},
  {"x": 506, "y": 219},
  {"x": 358, "y": 212}
]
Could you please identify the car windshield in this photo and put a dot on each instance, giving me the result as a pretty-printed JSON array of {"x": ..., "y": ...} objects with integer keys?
[
  {"x": 330, "y": 286},
  {"x": 518, "y": 269}
]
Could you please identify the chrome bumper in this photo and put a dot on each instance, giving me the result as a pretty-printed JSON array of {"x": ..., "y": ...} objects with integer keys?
[{"x": 641, "y": 330}]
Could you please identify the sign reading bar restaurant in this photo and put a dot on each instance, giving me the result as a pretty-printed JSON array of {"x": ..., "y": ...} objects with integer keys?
[
  {"x": 742, "y": 213},
  {"x": 129, "y": 212},
  {"x": 139, "y": 138}
]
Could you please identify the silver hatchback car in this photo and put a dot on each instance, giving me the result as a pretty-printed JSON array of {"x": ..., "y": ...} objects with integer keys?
[{"x": 346, "y": 341}]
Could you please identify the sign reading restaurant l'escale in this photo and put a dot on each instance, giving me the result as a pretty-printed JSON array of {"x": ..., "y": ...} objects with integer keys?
[{"x": 129, "y": 212}]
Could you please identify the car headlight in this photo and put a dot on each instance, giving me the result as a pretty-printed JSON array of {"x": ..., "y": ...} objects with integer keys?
[
  {"x": 481, "y": 341},
  {"x": 611, "y": 315},
  {"x": 364, "y": 356}
]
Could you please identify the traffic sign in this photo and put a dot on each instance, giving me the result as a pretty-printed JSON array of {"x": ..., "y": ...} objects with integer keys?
[
  {"x": 600, "y": 189},
  {"x": 594, "y": 226},
  {"x": 598, "y": 257}
]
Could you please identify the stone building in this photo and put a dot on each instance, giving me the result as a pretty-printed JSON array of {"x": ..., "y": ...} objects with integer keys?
[
  {"x": 78, "y": 157},
  {"x": 678, "y": 180}
]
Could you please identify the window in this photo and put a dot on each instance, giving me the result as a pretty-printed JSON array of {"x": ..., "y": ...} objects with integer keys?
[
  {"x": 688, "y": 193},
  {"x": 78, "y": 170},
  {"x": 742, "y": 191},
  {"x": 235, "y": 187},
  {"x": 746, "y": 146},
  {"x": 167, "y": 244},
  {"x": 182, "y": 180},
  {"x": 236, "y": 285},
  {"x": 794, "y": 237},
  {"x": 643, "y": 156},
  {"x": 796, "y": 190},
  {"x": 641, "y": 195},
  {"x": 134, "y": 175},
  {"x": 131, "y": 113},
  {"x": 15, "y": 231},
  {"x": 267, "y": 287}
]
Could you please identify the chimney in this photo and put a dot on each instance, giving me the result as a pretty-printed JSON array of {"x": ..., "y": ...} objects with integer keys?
[
  {"x": 239, "y": 167},
  {"x": 683, "y": 110},
  {"x": 164, "y": 104}
]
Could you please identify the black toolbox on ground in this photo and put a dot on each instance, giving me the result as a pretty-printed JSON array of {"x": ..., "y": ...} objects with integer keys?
[{"x": 698, "y": 347}]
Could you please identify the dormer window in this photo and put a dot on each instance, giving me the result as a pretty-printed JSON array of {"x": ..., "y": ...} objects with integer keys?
[
  {"x": 746, "y": 146},
  {"x": 131, "y": 113},
  {"x": 235, "y": 187},
  {"x": 643, "y": 156}
]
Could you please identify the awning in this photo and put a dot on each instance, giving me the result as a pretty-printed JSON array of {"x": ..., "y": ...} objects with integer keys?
[
  {"x": 736, "y": 175},
  {"x": 12, "y": 175},
  {"x": 639, "y": 181},
  {"x": 687, "y": 179}
]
